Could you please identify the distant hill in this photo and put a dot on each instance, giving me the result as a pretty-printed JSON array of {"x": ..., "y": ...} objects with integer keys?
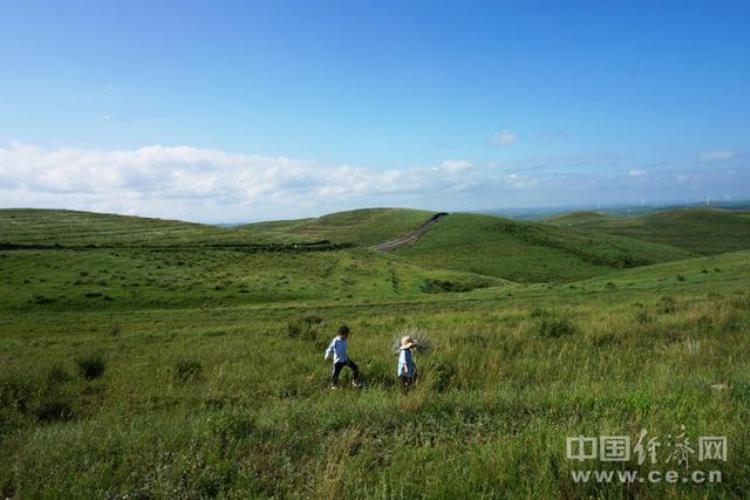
[
  {"x": 74, "y": 228},
  {"x": 368, "y": 226},
  {"x": 575, "y": 218},
  {"x": 703, "y": 230},
  {"x": 527, "y": 251},
  {"x": 569, "y": 248}
]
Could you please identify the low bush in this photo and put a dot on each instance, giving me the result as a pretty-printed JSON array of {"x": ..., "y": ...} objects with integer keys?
[
  {"x": 186, "y": 370},
  {"x": 91, "y": 365},
  {"x": 554, "y": 328},
  {"x": 421, "y": 337},
  {"x": 304, "y": 327}
]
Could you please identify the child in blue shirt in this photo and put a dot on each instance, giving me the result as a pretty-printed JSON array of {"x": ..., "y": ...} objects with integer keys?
[
  {"x": 337, "y": 350},
  {"x": 406, "y": 370}
]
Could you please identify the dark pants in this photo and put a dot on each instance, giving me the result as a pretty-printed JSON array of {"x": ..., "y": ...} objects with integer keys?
[
  {"x": 406, "y": 382},
  {"x": 337, "y": 370}
]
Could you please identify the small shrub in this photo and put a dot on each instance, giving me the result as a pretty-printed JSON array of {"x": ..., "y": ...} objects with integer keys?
[
  {"x": 680, "y": 277},
  {"x": 304, "y": 327},
  {"x": 42, "y": 300},
  {"x": 54, "y": 410},
  {"x": 57, "y": 374},
  {"x": 114, "y": 331},
  {"x": 186, "y": 370},
  {"x": 380, "y": 373},
  {"x": 554, "y": 328},
  {"x": 91, "y": 365},
  {"x": 446, "y": 286},
  {"x": 643, "y": 317},
  {"x": 538, "y": 312},
  {"x": 604, "y": 339},
  {"x": 421, "y": 337},
  {"x": 17, "y": 391},
  {"x": 312, "y": 319},
  {"x": 667, "y": 305},
  {"x": 611, "y": 285},
  {"x": 232, "y": 426},
  {"x": 442, "y": 376}
]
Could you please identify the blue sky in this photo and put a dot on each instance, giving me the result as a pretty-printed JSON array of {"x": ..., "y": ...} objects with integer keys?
[{"x": 253, "y": 110}]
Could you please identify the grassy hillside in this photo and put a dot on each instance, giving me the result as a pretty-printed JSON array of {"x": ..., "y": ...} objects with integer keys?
[
  {"x": 135, "y": 278},
  {"x": 231, "y": 401},
  {"x": 575, "y": 218},
  {"x": 706, "y": 231},
  {"x": 361, "y": 227},
  {"x": 192, "y": 371},
  {"x": 72, "y": 228},
  {"x": 527, "y": 252}
]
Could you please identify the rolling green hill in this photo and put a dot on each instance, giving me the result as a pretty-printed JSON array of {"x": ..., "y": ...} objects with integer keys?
[
  {"x": 195, "y": 370},
  {"x": 365, "y": 227},
  {"x": 74, "y": 228},
  {"x": 575, "y": 218},
  {"x": 527, "y": 252},
  {"x": 478, "y": 244},
  {"x": 703, "y": 230},
  {"x": 132, "y": 278}
]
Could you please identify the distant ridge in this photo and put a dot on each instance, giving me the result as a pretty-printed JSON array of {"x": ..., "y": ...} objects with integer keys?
[
  {"x": 412, "y": 237},
  {"x": 574, "y": 218},
  {"x": 705, "y": 230}
]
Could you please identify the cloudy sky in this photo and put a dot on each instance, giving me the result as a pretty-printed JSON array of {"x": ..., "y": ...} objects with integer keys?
[{"x": 234, "y": 111}]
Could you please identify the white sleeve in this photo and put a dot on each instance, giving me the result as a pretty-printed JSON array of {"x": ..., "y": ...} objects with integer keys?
[{"x": 329, "y": 350}]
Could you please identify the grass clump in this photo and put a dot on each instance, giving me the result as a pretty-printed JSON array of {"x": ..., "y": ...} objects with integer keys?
[
  {"x": 186, "y": 370},
  {"x": 424, "y": 343},
  {"x": 304, "y": 327},
  {"x": 91, "y": 365},
  {"x": 57, "y": 374},
  {"x": 556, "y": 327}
]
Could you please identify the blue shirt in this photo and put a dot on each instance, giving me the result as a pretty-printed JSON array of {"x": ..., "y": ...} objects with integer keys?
[
  {"x": 338, "y": 349},
  {"x": 406, "y": 364}
]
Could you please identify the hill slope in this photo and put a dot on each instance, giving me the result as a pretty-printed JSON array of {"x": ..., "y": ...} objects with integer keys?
[
  {"x": 575, "y": 218},
  {"x": 74, "y": 228},
  {"x": 133, "y": 278},
  {"x": 368, "y": 226},
  {"x": 706, "y": 231},
  {"x": 527, "y": 252}
]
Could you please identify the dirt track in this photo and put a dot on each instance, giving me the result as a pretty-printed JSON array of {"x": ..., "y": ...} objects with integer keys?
[{"x": 412, "y": 237}]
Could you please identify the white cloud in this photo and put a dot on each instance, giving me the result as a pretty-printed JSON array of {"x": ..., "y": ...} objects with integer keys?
[
  {"x": 183, "y": 182},
  {"x": 718, "y": 155},
  {"x": 208, "y": 184},
  {"x": 504, "y": 137},
  {"x": 455, "y": 165}
]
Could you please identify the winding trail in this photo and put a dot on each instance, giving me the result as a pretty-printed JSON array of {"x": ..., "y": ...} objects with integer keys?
[{"x": 412, "y": 237}]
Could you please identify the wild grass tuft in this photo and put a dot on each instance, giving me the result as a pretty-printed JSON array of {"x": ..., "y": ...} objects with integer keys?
[{"x": 91, "y": 365}]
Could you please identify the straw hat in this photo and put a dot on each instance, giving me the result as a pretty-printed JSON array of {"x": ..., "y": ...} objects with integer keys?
[{"x": 407, "y": 342}]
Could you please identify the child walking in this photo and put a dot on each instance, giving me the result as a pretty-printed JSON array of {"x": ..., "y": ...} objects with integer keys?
[
  {"x": 337, "y": 349},
  {"x": 406, "y": 370}
]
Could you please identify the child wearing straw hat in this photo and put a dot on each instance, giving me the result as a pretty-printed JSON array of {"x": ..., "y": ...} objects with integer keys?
[{"x": 406, "y": 370}]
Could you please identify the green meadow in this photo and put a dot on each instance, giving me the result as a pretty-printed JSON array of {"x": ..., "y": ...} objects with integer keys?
[{"x": 143, "y": 358}]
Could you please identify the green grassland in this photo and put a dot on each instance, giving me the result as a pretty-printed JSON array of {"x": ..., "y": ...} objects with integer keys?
[
  {"x": 128, "y": 278},
  {"x": 70, "y": 228},
  {"x": 702, "y": 230},
  {"x": 530, "y": 252},
  {"x": 150, "y": 368},
  {"x": 364, "y": 227},
  {"x": 575, "y": 218}
]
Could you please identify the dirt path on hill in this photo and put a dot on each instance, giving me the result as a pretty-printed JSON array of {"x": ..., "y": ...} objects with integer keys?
[{"x": 412, "y": 237}]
